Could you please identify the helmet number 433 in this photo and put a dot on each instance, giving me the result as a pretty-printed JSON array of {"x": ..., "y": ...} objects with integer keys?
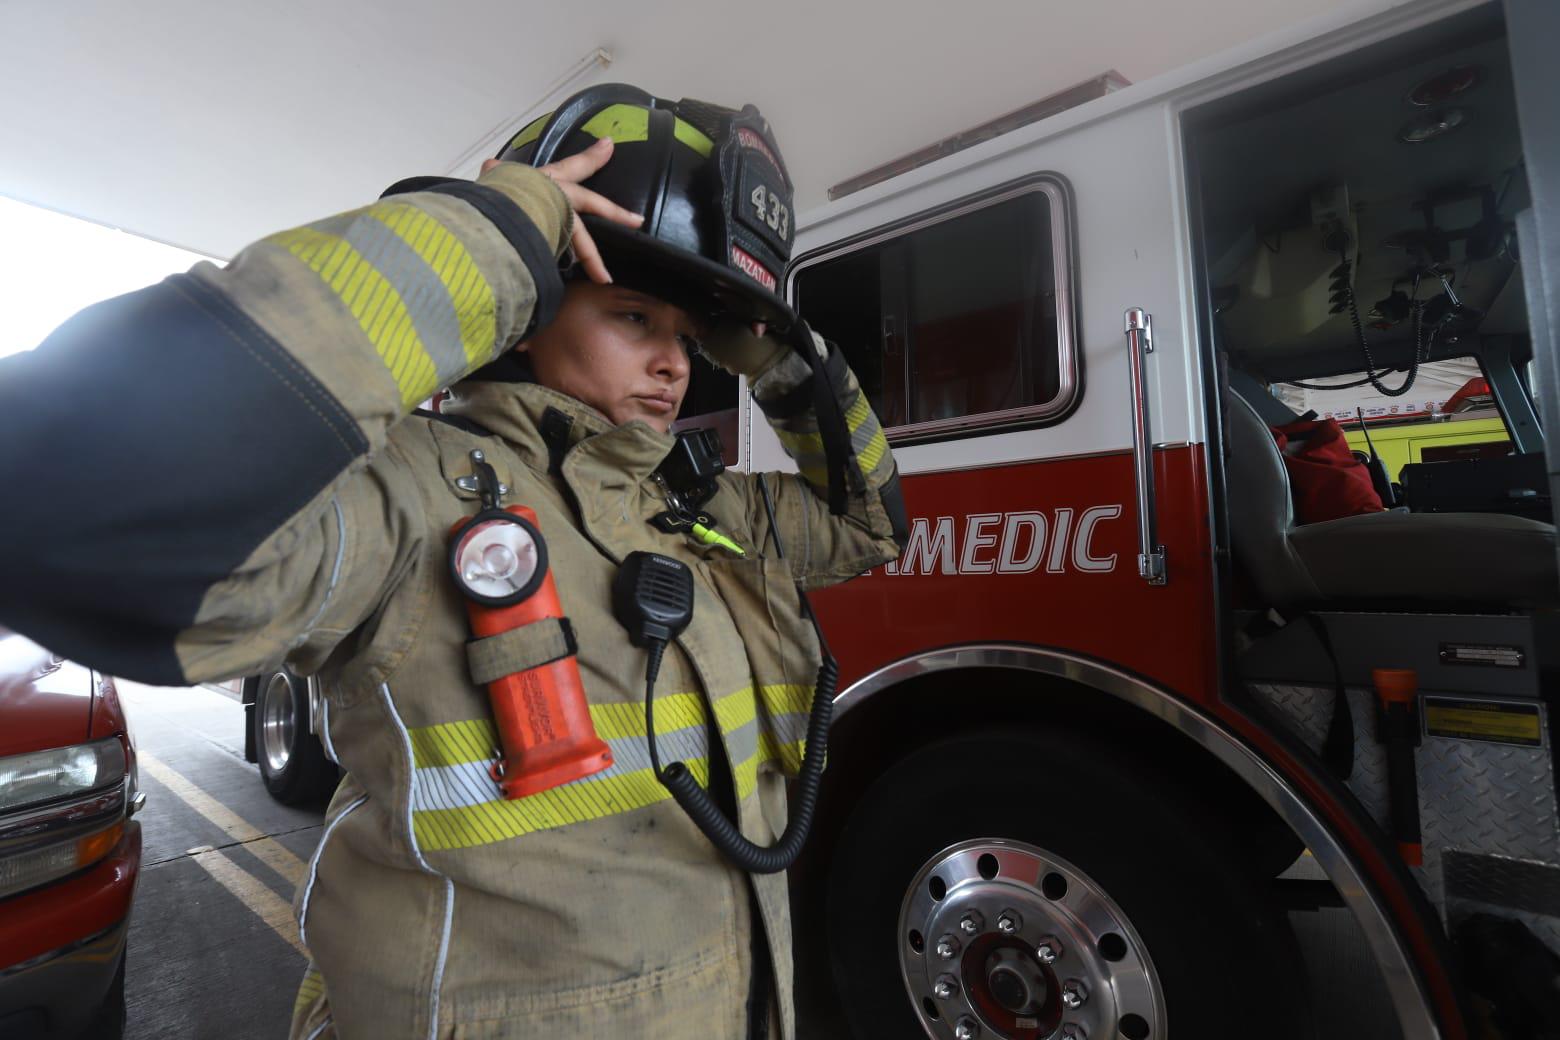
[{"x": 772, "y": 211}]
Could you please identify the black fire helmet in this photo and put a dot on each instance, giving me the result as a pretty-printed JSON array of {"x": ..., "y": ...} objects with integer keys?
[
  {"x": 709, "y": 181},
  {"x": 718, "y": 228}
]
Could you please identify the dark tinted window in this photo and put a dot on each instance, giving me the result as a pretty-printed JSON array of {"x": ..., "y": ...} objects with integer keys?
[{"x": 954, "y": 319}]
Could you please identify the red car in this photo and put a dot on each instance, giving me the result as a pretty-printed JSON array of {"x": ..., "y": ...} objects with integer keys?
[{"x": 69, "y": 850}]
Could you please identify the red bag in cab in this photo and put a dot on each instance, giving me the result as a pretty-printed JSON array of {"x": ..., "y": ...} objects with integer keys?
[{"x": 1326, "y": 480}]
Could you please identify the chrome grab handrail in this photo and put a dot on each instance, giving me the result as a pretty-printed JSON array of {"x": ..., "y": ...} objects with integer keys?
[{"x": 1140, "y": 344}]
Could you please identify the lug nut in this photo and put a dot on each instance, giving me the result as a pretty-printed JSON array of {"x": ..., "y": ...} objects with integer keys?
[
  {"x": 947, "y": 947},
  {"x": 1009, "y": 922},
  {"x": 971, "y": 923},
  {"x": 1048, "y": 950},
  {"x": 967, "y": 1029},
  {"x": 945, "y": 987},
  {"x": 1073, "y": 994}
]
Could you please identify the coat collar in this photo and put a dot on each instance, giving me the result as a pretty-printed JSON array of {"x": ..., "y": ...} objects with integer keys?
[{"x": 528, "y": 415}]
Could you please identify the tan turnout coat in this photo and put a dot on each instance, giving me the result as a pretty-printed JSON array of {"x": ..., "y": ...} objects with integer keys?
[{"x": 434, "y": 907}]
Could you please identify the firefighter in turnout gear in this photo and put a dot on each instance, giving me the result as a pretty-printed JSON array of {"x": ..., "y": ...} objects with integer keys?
[{"x": 257, "y": 487}]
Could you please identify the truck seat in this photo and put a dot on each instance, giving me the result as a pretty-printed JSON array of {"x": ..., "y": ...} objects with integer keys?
[{"x": 1391, "y": 558}]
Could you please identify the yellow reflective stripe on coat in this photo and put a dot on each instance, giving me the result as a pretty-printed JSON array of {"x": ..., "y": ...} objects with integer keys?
[
  {"x": 456, "y": 804},
  {"x": 475, "y": 740},
  {"x": 416, "y": 292},
  {"x": 866, "y": 435},
  {"x": 788, "y": 698},
  {"x": 309, "y": 990},
  {"x": 783, "y": 737},
  {"x": 866, "y": 440},
  {"x": 469, "y": 292}
]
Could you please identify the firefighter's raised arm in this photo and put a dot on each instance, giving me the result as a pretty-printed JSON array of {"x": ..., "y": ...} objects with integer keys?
[
  {"x": 821, "y": 548},
  {"x": 173, "y": 450}
]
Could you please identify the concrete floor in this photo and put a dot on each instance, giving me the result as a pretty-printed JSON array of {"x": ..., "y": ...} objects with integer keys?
[{"x": 214, "y": 952}]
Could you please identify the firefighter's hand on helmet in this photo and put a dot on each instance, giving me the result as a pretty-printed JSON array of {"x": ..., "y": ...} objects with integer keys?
[
  {"x": 743, "y": 348},
  {"x": 539, "y": 200}
]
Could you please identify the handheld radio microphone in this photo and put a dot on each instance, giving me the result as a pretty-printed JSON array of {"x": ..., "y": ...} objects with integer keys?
[{"x": 652, "y": 597}]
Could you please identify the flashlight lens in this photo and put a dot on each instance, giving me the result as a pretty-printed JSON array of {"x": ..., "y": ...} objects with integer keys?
[
  {"x": 496, "y": 559},
  {"x": 500, "y": 559}
]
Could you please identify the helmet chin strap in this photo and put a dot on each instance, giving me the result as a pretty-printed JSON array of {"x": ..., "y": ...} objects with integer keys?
[{"x": 831, "y": 417}]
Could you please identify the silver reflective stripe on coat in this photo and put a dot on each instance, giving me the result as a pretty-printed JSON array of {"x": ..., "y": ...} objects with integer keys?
[
  {"x": 411, "y": 837},
  {"x": 314, "y": 866},
  {"x": 470, "y": 783},
  {"x": 335, "y": 574},
  {"x": 456, "y": 803}
]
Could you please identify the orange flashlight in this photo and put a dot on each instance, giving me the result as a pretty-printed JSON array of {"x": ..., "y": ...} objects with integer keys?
[{"x": 546, "y": 735}]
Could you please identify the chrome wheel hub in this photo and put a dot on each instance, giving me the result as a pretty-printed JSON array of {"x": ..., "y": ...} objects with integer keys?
[
  {"x": 999, "y": 939},
  {"x": 277, "y": 712}
]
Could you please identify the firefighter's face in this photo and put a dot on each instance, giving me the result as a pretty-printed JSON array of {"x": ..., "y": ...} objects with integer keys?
[{"x": 624, "y": 353}]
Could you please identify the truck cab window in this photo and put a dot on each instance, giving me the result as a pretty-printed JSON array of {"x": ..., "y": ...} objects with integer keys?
[{"x": 959, "y": 320}]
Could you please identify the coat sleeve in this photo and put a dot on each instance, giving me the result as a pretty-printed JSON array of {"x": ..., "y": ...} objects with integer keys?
[
  {"x": 197, "y": 473},
  {"x": 823, "y": 548}
]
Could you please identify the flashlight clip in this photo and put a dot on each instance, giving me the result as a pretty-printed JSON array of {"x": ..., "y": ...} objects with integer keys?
[{"x": 484, "y": 480}]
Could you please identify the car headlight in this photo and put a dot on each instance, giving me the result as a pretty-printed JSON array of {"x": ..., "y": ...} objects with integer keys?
[
  {"x": 60, "y": 811},
  {"x": 43, "y": 776}
]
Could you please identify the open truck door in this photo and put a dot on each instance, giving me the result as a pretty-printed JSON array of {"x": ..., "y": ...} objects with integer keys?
[{"x": 1534, "y": 25}]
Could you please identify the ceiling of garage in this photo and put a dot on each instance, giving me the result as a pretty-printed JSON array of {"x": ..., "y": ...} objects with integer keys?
[{"x": 207, "y": 125}]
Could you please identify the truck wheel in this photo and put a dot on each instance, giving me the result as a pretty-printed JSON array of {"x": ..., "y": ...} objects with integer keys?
[
  {"x": 292, "y": 761},
  {"x": 1018, "y": 887}
]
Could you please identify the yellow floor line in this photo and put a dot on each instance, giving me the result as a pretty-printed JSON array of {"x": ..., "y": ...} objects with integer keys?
[
  {"x": 271, "y": 908},
  {"x": 269, "y": 851}
]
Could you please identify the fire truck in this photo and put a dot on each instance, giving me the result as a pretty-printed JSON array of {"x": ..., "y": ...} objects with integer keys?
[
  {"x": 1121, "y": 743},
  {"x": 1117, "y": 731}
]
